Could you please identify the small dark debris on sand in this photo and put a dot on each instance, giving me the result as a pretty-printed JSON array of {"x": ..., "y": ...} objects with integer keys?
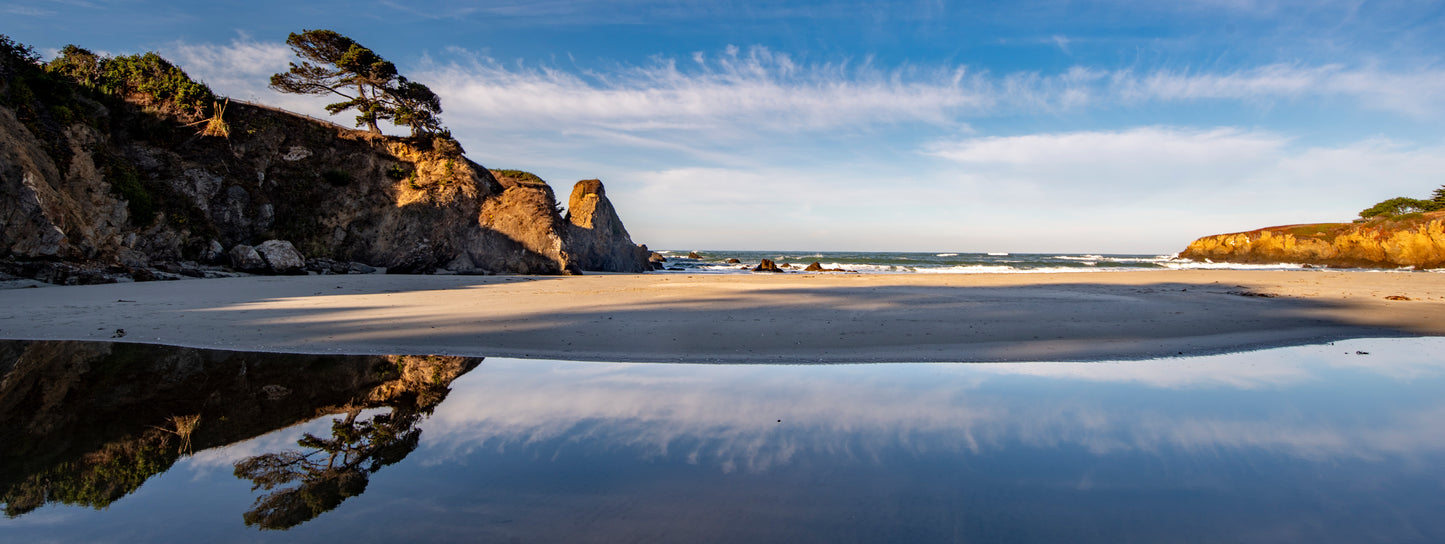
[{"x": 1253, "y": 294}]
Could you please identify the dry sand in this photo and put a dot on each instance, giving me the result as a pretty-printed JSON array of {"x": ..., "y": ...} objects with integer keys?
[{"x": 746, "y": 318}]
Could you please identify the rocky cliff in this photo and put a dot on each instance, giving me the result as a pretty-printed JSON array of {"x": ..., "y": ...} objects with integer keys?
[
  {"x": 92, "y": 186},
  {"x": 1414, "y": 240}
]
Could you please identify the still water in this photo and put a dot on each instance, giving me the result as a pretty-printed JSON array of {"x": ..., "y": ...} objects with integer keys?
[{"x": 132, "y": 443}]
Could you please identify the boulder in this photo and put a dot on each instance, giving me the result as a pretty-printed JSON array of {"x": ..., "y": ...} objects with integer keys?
[
  {"x": 281, "y": 257},
  {"x": 213, "y": 252},
  {"x": 767, "y": 266},
  {"x": 246, "y": 259},
  {"x": 816, "y": 267},
  {"x": 655, "y": 257},
  {"x": 693, "y": 255},
  {"x": 733, "y": 261}
]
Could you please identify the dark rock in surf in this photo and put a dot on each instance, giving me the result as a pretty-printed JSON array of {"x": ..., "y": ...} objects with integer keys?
[
  {"x": 817, "y": 267},
  {"x": 767, "y": 266}
]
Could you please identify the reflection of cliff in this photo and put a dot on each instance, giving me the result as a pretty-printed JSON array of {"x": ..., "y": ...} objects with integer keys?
[
  {"x": 1416, "y": 240},
  {"x": 87, "y": 423}
]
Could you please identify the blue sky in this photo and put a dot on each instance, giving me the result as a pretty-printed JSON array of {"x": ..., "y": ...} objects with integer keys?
[{"x": 1124, "y": 126}]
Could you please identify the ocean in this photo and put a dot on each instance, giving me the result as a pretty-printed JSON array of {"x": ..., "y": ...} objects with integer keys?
[{"x": 716, "y": 262}]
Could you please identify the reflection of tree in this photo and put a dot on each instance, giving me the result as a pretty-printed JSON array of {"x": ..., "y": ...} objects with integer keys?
[{"x": 330, "y": 471}]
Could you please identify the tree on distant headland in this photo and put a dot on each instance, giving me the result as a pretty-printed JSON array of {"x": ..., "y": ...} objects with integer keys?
[
  {"x": 1403, "y": 205},
  {"x": 335, "y": 64}
]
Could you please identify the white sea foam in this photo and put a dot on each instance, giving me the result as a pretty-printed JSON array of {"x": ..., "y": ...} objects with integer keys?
[
  {"x": 1186, "y": 264},
  {"x": 894, "y": 263},
  {"x": 998, "y": 253},
  {"x": 1150, "y": 260}
]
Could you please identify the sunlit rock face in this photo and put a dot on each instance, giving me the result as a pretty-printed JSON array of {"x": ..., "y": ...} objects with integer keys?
[
  {"x": 1412, "y": 241},
  {"x": 87, "y": 423}
]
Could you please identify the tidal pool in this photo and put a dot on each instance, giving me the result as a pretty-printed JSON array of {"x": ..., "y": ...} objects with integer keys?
[{"x": 124, "y": 442}]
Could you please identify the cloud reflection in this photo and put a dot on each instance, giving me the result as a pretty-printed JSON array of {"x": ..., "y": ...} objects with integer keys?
[{"x": 753, "y": 418}]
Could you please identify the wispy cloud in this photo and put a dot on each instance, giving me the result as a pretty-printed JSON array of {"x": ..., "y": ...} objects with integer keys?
[
  {"x": 735, "y": 89},
  {"x": 760, "y": 89},
  {"x": 1401, "y": 92},
  {"x": 1143, "y": 148},
  {"x": 738, "y": 92},
  {"x": 27, "y": 11},
  {"x": 1063, "y": 43},
  {"x": 1259, "y": 177}
]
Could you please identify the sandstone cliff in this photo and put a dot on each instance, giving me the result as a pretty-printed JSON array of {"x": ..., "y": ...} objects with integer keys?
[
  {"x": 1415, "y": 240},
  {"x": 125, "y": 185}
]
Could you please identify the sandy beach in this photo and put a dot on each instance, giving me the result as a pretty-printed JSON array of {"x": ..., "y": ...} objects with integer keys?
[{"x": 791, "y": 318}]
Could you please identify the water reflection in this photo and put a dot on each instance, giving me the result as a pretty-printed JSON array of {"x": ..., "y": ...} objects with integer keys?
[
  {"x": 328, "y": 470},
  {"x": 1329, "y": 443},
  {"x": 1313, "y": 402},
  {"x": 86, "y": 424}
]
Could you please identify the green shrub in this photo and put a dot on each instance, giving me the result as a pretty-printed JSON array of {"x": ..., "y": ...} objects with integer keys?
[
  {"x": 78, "y": 64},
  {"x": 520, "y": 175},
  {"x": 15, "y": 55},
  {"x": 152, "y": 75},
  {"x": 1314, "y": 230},
  {"x": 398, "y": 171},
  {"x": 126, "y": 183}
]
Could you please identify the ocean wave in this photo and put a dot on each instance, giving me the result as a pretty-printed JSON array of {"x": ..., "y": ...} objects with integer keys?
[
  {"x": 951, "y": 263},
  {"x": 1187, "y": 264},
  {"x": 1146, "y": 260}
]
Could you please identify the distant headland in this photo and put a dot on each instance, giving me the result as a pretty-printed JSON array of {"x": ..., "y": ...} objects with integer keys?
[{"x": 1400, "y": 232}]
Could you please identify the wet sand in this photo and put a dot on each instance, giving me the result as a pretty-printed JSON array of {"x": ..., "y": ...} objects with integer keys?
[{"x": 787, "y": 318}]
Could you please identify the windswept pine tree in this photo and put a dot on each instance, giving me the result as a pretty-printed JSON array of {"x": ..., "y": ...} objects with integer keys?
[{"x": 333, "y": 64}]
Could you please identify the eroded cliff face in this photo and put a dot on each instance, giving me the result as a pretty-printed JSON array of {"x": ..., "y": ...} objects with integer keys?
[
  {"x": 1411, "y": 241},
  {"x": 127, "y": 188}
]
